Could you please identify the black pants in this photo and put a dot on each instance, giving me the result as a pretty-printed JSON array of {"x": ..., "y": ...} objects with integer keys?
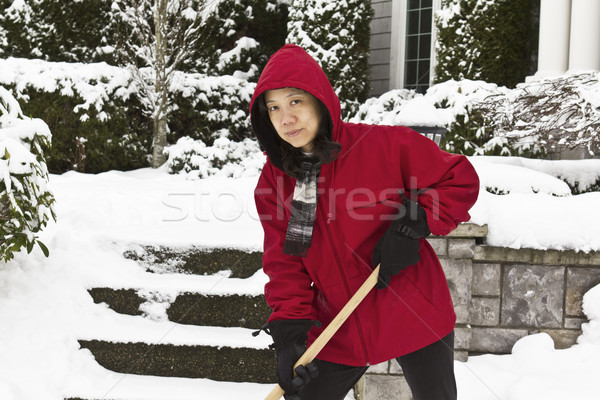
[{"x": 428, "y": 371}]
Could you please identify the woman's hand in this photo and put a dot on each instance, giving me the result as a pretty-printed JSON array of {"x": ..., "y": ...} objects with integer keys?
[
  {"x": 399, "y": 246},
  {"x": 289, "y": 341}
]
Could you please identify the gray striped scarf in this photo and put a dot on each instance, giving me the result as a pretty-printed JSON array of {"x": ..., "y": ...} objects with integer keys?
[{"x": 304, "y": 207}]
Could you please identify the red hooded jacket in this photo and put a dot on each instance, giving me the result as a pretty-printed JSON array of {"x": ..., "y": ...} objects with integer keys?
[{"x": 358, "y": 193}]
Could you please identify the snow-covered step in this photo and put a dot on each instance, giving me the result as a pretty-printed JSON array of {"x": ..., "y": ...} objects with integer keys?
[
  {"x": 195, "y": 260},
  {"x": 106, "y": 325},
  {"x": 116, "y": 386},
  {"x": 231, "y": 364},
  {"x": 188, "y": 308},
  {"x": 133, "y": 344}
]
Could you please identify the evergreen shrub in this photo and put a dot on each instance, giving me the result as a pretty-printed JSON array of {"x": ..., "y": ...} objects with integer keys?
[
  {"x": 54, "y": 30},
  {"x": 26, "y": 204},
  {"x": 337, "y": 35},
  {"x": 490, "y": 40}
]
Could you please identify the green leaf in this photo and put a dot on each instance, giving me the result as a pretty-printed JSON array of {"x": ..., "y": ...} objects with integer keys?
[
  {"x": 6, "y": 153},
  {"x": 30, "y": 246},
  {"x": 44, "y": 248}
]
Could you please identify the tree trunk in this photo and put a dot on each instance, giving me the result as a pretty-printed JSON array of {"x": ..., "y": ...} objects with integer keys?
[
  {"x": 160, "y": 113},
  {"x": 159, "y": 141}
]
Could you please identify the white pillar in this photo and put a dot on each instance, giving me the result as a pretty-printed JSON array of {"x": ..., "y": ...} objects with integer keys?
[
  {"x": 555, "y": 21},
  {"x": 585, "y": 36}
]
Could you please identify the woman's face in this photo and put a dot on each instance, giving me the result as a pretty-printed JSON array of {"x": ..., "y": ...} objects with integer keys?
[{"x": 295, "y": 115}]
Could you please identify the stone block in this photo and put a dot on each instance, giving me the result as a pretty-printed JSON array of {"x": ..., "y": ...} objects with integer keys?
[
  {"x": 439, "y": 245},
  {"x": 579, "y": 281},
  {"x": 461, "y": 355},
  {"x": 386, "y": 387},
  {"x": 486, "y": 279},
  {"x": 574, "y": 323},
  {"x": 533, "y": 296},
  {"x": 459, "y": 274},
  {"x": 533, "y": 256},
  {"x": 495, "y": 340},
  {"x": 469, "y": 230},
  {"x": 395, "y": 368},
  {"x": 462, "y": 338},
  {"x": 485, "y": 311},
  {"x": 461, "y": 248},
  {"x": 381, "y": 368},
  {"x": 563, "y": 338}
]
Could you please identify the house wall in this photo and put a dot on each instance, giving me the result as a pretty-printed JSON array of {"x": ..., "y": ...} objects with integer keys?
[
  {"x": 500, "y": 295},
  {"x": 379, "y": 61}
]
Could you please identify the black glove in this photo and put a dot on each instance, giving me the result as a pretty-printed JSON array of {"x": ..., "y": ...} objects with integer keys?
[
  {"x": 289, "y": 342},
  {"x": 399, "y": 246}
]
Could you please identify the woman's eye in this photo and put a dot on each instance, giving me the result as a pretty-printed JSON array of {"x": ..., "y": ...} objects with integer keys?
[
  {"x": 296, "y": 101},
  {"x": 272, "y": 108}
]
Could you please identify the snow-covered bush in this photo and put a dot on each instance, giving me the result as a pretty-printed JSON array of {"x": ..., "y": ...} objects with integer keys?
[
  {"x": 491, "y": 40},
  {"x": 452, "y": 105},
  {"x": 241, "y": 35},
  {"x": 224, "y": 158},
  {"x": 337, "y": 35},
  {"x": 96, "y": 122},
  {"x": 531, "y": 120},
  {"x": 26, "y": 204},
  {"x": 207, "y": 104},
  {"x": 74, "y": 31},
  {"x": 543, "y": 115},
  {"x": 90, "y": 111}
]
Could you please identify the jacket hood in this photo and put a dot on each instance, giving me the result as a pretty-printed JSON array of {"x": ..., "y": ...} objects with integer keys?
[{"x": 291, "y": 66}]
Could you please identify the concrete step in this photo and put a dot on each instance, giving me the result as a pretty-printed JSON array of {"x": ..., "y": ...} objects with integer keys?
[
  {"x": 196, "y": 260},
  {"x": 115, "y": 386},
  {"x": 167, "y": 360},
  {"x": 193, "y": 308}
]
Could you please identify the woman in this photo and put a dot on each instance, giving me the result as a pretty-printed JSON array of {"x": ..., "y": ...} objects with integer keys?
[{"x": 336, "y": 199}]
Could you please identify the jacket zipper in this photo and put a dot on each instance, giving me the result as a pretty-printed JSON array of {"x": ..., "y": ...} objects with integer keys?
[{"x": 348, "y": 292}]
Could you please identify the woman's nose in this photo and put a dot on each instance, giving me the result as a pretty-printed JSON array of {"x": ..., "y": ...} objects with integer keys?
[{"x": 288, "y": 118}]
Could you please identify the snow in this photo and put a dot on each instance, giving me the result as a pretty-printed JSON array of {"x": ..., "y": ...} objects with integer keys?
[
  {"x": 97, "y": 84},
  {"x": 45, "y": 307}
]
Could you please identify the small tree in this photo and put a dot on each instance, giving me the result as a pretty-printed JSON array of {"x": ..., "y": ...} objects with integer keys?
[
  {"x": 157, "y": 37},
  {"x": 337, "y": 35}
]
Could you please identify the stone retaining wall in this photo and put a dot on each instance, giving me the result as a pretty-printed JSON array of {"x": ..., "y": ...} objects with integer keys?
[{"x": 500, "y": 295}]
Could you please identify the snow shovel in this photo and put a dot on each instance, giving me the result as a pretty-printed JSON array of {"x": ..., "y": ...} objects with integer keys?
[{"x": 321, "y": 341}]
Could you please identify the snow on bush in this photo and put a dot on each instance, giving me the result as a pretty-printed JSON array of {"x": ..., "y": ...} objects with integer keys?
[
  {"x": 95, "y": 85},
  {"x": 225, "y": 158},
  {"x": 93, "y": 97},
  {"x": 482, "y": 118},
  {"x": 26, "y": 204},
  {"x": 550, "y": 113}
]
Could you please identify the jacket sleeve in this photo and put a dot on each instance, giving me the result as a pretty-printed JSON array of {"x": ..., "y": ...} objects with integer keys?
[
  {"x": 289, "y": 292},
  {"x": 444, "y": 184}
]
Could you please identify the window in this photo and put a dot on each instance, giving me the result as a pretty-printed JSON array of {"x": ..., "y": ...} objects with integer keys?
[{"x": 419, "y": 20}]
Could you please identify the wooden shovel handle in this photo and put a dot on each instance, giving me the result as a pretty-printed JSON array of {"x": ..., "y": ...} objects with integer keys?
[{"x": 331, "y": 329}]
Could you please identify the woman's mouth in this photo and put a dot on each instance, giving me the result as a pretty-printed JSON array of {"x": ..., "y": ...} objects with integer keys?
[{"x": 293, "y": 133}]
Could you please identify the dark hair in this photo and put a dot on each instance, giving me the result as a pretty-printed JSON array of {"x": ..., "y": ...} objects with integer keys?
[{"x": 325, "y": 150}]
